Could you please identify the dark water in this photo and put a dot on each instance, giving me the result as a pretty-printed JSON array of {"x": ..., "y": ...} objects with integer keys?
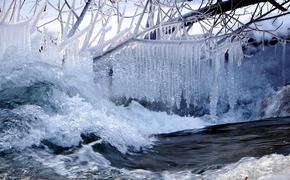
[
  {"x": 208, "y": 148},
  {"x": 198, "y": 150}
]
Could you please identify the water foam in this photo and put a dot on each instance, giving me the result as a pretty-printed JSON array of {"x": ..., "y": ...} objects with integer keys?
[
  {"x": 274, "y": 167},
  {"x": 81, "y": 107}
]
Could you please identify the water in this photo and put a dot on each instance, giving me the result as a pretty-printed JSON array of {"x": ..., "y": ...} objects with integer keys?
[
  {"x": 201, "y": 153},
  {"x": 57, "y": 123},
  {"x": 45, "y": 106}
]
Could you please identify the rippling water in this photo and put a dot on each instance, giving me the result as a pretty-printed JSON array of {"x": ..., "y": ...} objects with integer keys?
[
  {"x": 55, "y": 124},
  {"x": 198, "y": 151},
  {"x": 208, "y": 148}
]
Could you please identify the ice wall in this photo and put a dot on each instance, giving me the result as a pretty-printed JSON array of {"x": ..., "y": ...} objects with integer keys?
[
  {"x": 169, "y": 71},
  {"x": 14, "y": 35}
]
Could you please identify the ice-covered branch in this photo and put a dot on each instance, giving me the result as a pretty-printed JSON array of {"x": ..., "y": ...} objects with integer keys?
[
  {"x": 79, "y": 19},
  {"x": 36, "y": 17}
]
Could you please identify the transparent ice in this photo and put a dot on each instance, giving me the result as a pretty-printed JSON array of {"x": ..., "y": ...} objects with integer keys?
[{"x": 168, "y": 71}]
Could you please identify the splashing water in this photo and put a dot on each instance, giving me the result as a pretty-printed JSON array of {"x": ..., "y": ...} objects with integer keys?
[
  {"x": 79, "y": 107},
  {"x": 47, "y": 108}
]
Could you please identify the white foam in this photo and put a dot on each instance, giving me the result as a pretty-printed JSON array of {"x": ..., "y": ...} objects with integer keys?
[
  {"x": 274, "y": 167},
  {"x": 268, "y": 167},
  {"x": 87, "y": 110}
]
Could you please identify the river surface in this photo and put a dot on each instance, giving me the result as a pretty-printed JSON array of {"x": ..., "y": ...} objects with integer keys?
[
  {"x": 55, "y": 124},
  {"x": 200, "y": 152}
]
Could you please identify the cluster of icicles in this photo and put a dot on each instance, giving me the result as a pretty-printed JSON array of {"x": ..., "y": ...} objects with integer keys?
[
  {"x": 14, "y": 35},
  {"x": 169, "y": 71}
]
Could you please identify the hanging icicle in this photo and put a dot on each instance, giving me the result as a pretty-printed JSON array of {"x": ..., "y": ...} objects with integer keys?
[
  {"x": 15, "y": 35},
  {"x": 169, "y": 70}
]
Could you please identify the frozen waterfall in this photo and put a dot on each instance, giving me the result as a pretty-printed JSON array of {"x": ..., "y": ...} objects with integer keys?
[
  {"x": 169, "y": 71},
  {"x": 14, "y": 35}
]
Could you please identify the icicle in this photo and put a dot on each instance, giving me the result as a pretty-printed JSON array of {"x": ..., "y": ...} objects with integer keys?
[
  {"x": 263, "y": 42},
  {"x": 235, "y": 55},
  {"x": 166, "y": 70},
  {"x": 162, "y": 70},
  {"x": 186, "y": 74},
  {"x": 198, "y": 72},
  {"x": 240, "y": 53},
  {"x": 147, "y": 71},
  {"x": 231, "y": 77},
  {"x": 283, "y": 62},
  {"x": 139, "y": 54},
  {"x": 214, "y": 95},
  {"x": 14, "y": 35}
]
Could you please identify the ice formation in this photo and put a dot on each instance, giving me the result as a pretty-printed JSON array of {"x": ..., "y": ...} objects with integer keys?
[
  {"x": 169, "y": 70},
  {"x": 14, "y": 35}
]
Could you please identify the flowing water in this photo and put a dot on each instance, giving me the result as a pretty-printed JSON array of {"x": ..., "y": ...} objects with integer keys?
[{"x": 56, "y": 124}]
